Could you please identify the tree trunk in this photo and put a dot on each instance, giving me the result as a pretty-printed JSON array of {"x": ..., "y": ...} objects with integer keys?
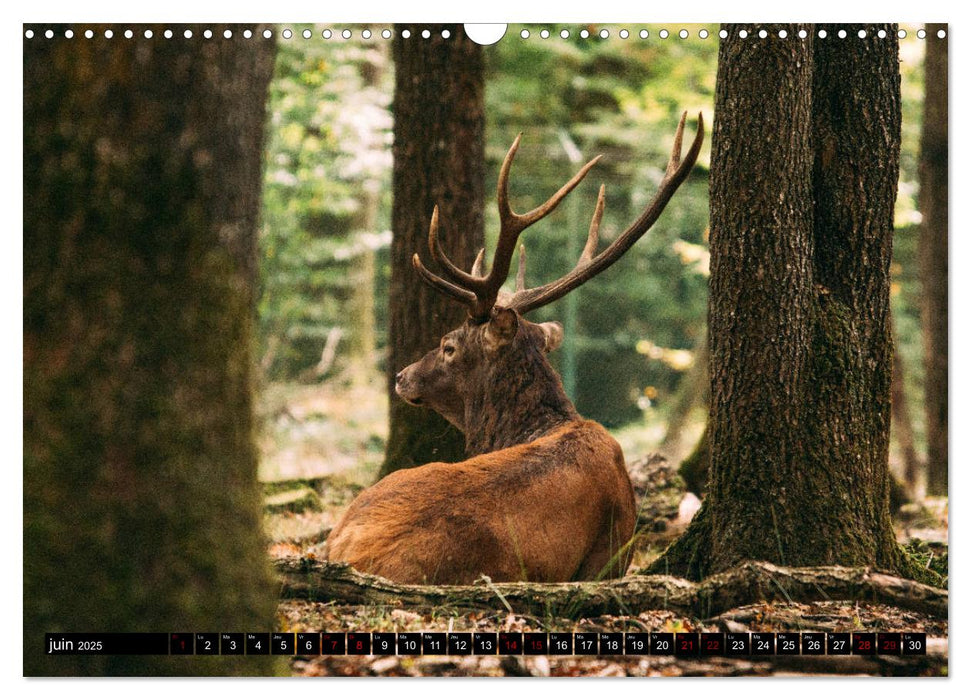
[
  {"x": 694, "y": 468},
  {"x": 142, "y": 164},
  {"x": 799, "y": 324},
  {"x": 933, "y": 256},
  {"x": 362, "y": 342},
  {"x": 439, "y": 158},
  {"x": 903, "y": 430}
]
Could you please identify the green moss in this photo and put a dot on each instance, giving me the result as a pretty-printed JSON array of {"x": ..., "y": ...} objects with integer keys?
[
  {"x": 925, "y": 562},
  {"x": 294, "y": 501}
]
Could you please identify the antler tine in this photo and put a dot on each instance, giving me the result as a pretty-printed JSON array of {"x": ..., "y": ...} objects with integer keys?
[
  {"x": 513, "y": 224},
  {"x": 593, "y": 237},
  {"x": 521, "y": 270},
  {"x": 550, "y": 204},
  {"x": 477, "y": 265},
  {"x": 502, "y": 187},
  {"x": 442, "y": 285},
  {"x": 675, "y": 173},
  {"x": 675, "y": 160},
  {"x": 438, "y": 254}
]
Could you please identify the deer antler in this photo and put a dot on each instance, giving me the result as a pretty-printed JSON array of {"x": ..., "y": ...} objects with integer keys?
[{"x": 481, "y": 292}]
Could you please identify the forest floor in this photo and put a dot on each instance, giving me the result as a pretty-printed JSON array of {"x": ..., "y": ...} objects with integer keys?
[{"x": 320, "y": 451}]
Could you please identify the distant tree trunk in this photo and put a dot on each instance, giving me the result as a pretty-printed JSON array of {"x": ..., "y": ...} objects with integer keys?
[
  {"x": 903, "y": 428},
  {"x": 361, "y": 317},
  {"x": 694, "y": 468},
  {"x": 692, "y": 392},
  {"x": 362, "y": 345},
  {"x": 933, "y": 256},
  {"x": 142, "y": 164},
  {"x": 439, "y": 158},
  {"x": 803, "y": 181}
]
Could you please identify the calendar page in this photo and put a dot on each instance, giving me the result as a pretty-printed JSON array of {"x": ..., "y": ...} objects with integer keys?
[{"x": 485, "y": 350}]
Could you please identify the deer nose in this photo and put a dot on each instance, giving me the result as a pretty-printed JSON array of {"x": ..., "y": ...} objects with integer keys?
[{"x": 399, "y": 376}]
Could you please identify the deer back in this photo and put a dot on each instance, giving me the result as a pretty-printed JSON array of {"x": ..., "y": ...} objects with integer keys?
[{"x": 558, "y": 508}]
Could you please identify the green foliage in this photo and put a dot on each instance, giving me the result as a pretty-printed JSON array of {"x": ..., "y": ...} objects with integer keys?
[
  {"x": 328, "y": 155},
  {"x": 621, "y": 98},
  {"x": 905, "y": 290},
  {"x": 905, "y": 293}
]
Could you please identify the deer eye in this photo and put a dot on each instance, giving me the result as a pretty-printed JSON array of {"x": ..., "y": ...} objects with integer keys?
[{"x": 448, "y": 350}]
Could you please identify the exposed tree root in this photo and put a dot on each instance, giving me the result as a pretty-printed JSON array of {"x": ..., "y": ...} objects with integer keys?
[
  {"x": 750, "y": 582},
  {"x": 690, "y": 556}
]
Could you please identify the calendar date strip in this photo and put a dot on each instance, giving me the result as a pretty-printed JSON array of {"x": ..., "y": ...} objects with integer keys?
[{"x": 679, "y": 644}]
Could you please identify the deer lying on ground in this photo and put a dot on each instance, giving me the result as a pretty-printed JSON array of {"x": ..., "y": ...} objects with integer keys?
[{"x": 544, "y": 494}]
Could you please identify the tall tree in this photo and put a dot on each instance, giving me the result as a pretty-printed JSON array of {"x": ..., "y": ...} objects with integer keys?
[
  {"x": 903, "y": 428},
  {"x": 142, "y": 174},
  {"x": 933, "y": 256},
  {"x": 439, "y": 159},
  {"x": 803, "y": 181}
]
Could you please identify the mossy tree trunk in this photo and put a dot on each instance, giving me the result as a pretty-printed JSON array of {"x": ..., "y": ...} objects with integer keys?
[
  {"x": 933, "y": 256},
  {"x": 803, "y": 182},
  {"x": 439, "y": 158},
  {"x": 142, "y": 176}
]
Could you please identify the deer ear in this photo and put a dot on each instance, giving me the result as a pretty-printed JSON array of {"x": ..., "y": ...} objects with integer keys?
[
  {"x": 552, "y": 335},
  {"x": 501, "y": 328}
]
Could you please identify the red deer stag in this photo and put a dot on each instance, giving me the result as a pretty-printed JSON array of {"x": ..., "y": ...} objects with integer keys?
[{"x": 544, "y": 494}]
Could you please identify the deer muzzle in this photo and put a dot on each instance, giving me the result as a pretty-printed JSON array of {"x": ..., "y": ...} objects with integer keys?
[{"x": 404, "y": 386}]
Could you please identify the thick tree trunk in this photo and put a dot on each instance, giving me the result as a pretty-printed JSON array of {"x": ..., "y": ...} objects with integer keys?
[
  {"x": 439, "y": 158},
  {"x": 933, "y": 256},
  {"x": 801, "y": 353},
  {"x": 142, "y": 168}
]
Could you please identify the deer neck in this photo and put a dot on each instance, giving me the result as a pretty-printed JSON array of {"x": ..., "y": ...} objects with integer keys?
[{"x": 520, "y": 402}]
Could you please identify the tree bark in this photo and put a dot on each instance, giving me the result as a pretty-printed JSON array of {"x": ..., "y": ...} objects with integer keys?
[
  {"x": 799, "y": 325},
  {"x": 749, "y": 583},
  {"x": 142, "y": 168},
  {"x": 933, "y": 256},
  {"x": 439, "y": 159}
]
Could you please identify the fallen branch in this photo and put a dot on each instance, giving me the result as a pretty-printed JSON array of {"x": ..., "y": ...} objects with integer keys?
[{"x": 751, "y": 582}]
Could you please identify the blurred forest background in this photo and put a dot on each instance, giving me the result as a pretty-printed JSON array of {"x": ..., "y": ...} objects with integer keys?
[{"x": 633, "y": 354}]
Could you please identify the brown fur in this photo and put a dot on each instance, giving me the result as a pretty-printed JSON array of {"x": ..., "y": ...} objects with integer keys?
[
  {"x": 546, "y": 496},
  {"x": 555, "y": 509}
]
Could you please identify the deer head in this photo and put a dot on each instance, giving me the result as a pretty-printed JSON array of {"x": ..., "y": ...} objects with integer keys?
[{"x": 492, "y": 370}]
